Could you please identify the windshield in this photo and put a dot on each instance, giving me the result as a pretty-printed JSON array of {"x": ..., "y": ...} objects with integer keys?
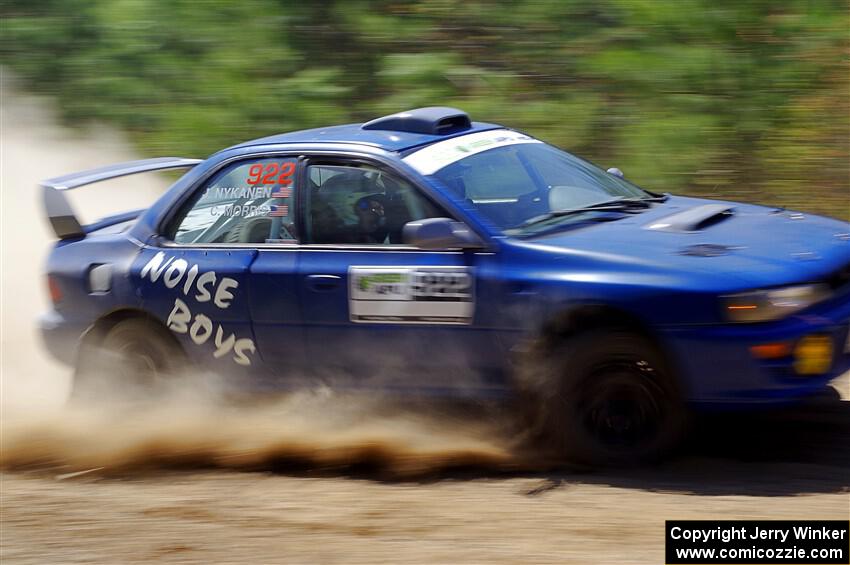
[{"x": 515, "y": 178}]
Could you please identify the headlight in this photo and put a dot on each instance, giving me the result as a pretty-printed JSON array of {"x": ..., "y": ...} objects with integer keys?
[{"x": 765, "y": 305}]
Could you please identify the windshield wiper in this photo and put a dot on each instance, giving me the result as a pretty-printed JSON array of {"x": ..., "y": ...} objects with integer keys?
[{"x": 615, "y": 204}]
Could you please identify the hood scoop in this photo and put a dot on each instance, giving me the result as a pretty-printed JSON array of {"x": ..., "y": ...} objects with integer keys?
[{"x": 693, "y": 219}]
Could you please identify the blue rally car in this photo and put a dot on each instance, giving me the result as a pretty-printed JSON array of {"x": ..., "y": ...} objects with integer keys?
[{"x": 422, "y": 252}]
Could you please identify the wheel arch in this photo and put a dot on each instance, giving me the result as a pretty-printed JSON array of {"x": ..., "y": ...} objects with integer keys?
[
  {"x": 553, "y": 367},
  {"x": 572, "y": 320},
  {"x": 104, "y": 367},
  {"x": 106, "y": 322}
]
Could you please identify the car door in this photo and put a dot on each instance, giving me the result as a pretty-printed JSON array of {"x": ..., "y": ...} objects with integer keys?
[
  {"x": 378, "y": 312},
  {"x": 202, "y": 296},
  {"x": 275, "y": 303},
  {"x": 196, "y": 276}
]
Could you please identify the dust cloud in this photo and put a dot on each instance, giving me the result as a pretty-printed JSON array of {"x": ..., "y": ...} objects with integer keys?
[
  {"x": 33, "y": 148},
  {"x": 316, "y": 431},
  {"x": 195, "y": 427}
]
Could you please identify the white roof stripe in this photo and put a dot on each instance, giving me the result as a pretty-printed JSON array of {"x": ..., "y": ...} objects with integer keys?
[{"x": 434, "y": 157}]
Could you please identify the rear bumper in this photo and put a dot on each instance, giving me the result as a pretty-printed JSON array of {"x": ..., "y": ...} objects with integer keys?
[
  {"x": 59, "y": 336},
  {"x": 718, "y": 367}
]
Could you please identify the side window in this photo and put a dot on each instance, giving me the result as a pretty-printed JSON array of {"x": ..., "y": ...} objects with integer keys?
[
  {"x": 248, "y": 202},
  {"x": 347, "y": 204}
]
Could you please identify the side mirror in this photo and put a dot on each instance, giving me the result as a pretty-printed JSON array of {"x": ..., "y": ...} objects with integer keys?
[
  {"x": 616, "y": 172},
  {"x": 440, "y": 233}
]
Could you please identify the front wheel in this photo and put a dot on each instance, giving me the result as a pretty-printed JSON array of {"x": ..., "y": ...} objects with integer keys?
[
  {"x": 603, "y": 398},
  {"x": 135, "y": 359}
]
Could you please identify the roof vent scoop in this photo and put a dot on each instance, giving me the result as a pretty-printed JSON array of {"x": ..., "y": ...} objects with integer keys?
[{"x": 433, "y": 120}]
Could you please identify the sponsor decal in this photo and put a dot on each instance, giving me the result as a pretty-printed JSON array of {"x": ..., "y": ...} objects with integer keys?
[
  {"x": 434, "y": 157},
  {"x": 411, "y": 295},
  {"x": 199, "y": 287}
]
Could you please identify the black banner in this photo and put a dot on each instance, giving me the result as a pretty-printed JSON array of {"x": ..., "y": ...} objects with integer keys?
[{"x": 744, "y": 542}]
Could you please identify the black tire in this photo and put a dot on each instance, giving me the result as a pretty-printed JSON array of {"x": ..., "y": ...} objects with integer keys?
[
  {"x": 135, "y": 359},
  {"x": 601, "y": 398}
]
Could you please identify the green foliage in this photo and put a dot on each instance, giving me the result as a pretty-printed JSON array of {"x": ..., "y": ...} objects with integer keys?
[{"x": 744, "y": 100}]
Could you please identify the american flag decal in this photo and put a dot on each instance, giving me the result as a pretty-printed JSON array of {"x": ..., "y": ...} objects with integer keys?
[
  {"x": 279, "y": 211},
  {"x": 282, "y": 192}
]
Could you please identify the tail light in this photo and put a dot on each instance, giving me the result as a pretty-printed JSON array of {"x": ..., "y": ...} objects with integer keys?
[{"x": 54, "y": 289}]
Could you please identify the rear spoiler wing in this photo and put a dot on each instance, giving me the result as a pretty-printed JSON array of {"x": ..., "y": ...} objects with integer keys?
[{"x": 62, "y": 218}]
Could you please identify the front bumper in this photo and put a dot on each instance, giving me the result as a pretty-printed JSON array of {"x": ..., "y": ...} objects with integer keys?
[{"x": 718, "y": 367}]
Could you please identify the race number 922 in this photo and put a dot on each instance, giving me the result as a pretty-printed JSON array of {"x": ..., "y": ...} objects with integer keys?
[{"x": 271, "y": 173}]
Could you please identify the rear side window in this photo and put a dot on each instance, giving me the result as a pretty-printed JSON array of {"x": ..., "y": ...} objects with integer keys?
[{"x": 248, "y": 202}]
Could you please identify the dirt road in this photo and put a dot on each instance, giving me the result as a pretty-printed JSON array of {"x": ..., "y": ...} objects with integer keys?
[
  {"x": 296, "y": 484},
  {"x": 794, "y": 466}
]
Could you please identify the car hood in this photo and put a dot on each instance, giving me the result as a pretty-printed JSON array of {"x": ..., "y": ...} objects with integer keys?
[{"x": 752, "y": 245}]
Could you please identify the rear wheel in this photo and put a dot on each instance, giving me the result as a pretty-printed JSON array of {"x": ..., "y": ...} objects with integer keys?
[
  {"x": 134, "y": 359},
  {"x": 602, "y": 398}
]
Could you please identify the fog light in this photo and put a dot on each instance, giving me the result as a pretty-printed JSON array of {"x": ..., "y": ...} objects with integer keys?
[
  {"x": 771, "y": 350},
  {"x": 813, "y": 355}
]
